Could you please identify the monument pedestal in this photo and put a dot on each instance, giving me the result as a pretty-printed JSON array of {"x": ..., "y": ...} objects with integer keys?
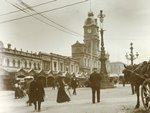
[{"x": 105, "y": 83}]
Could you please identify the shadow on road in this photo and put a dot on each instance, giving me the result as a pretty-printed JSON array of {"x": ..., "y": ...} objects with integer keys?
[{"x": 140, "y": 111}]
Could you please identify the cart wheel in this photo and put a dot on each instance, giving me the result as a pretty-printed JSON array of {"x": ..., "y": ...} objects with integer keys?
[{"x": 145, "y": 94}]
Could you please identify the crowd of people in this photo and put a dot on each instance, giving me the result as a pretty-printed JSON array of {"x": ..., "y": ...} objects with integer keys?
[{"x": 34, "y": 89}]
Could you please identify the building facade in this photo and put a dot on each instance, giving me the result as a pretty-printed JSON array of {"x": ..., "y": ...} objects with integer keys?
[
  {"x": 13, "y": 59},
  {"x": 17, "y": 63}
]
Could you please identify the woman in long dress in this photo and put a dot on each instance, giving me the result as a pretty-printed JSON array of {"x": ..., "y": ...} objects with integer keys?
[{"x": 62, "y": 95}]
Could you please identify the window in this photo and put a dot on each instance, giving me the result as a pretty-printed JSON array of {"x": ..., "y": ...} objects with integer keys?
[
  {"x": 13, "y": 63},
  {"x": 55, "y": 66},
  {"x": 46, "y": 65},
  {"x": 84, "y": 61},
  {"x": 29, "y": 64},
  {"x": 35, "y": 66},
  {"x": 25, "y": 63},
  {"x": 76, "y": 68},
  {"x": 39, "y": 66},
  {"x": 61, "y": 66},
  {"x": 67, "y": 68},
  {"x": 18, "y": 63},
  {"x": 8, "y": 62},
  {"x": 71, "y": 68}
]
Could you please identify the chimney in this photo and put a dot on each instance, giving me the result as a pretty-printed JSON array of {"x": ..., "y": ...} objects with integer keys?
[{"x": 9, "y": 46}]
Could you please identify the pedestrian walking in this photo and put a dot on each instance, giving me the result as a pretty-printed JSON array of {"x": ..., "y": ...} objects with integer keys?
[
  {"x": 53, "y": 84},
  {"x": 28, "y": 82},
  {"x": 61, "y": 95},
  {"x": 95, "y": 80},
  {"x": 36, "y": 93},
  {"x": 74, "y": 84},
  {"x": 123, "y": 81},
  {"x": 16, "y": 86},
  {"x": 21, "y": 91}
]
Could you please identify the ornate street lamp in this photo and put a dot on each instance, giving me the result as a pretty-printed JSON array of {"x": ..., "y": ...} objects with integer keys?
[
  {"x": 105, "y": 83},
  {"x": 103, "y": 57},
  {"x": 131, "y": 56}
]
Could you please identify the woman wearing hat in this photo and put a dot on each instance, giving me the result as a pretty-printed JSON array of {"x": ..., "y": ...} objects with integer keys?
[{"x": 61, "y": 95}]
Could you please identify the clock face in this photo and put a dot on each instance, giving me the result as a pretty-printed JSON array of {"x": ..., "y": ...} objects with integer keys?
[{"x": 89, "y": 30}]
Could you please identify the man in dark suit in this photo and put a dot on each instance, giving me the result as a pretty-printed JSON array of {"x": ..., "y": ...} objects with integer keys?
[
  {"x": 74, "y": 84},
  {"x": 36, "y": 93},
  {"x": 95, "y": 80}
]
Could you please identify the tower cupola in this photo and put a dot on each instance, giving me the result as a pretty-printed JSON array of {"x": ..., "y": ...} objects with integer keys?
[{"x": 90, "y": 19}]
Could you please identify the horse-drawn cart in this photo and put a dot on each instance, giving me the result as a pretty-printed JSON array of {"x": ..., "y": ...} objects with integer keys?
[
  {"x": 145, "y": 94},
  {"x": 139, "y": 75}
]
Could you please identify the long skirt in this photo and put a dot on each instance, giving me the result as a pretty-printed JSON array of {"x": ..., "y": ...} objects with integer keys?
[{"x": 62, "y": 96}]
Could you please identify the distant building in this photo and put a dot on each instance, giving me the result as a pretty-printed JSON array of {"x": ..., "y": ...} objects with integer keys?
[{"x": 116, "y": 68}]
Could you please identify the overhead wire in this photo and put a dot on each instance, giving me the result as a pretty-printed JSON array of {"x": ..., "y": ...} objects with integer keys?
[
  {"x": 6, "y": 21},
  {"x": 31, "y": 9},
  {"x": 19, "y": 7},
  {"x": 44, "y": 3}
]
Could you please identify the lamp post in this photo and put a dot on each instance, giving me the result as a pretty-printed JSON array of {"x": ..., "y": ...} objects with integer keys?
[
  {"x": 91, "y": 64},
  {"x": 105, "y": 83},
  {"x": 103, "y": 57},
  {"x": 131, "y": 56}
]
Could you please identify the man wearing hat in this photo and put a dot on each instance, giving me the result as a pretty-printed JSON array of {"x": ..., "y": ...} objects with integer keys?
[
  {"x": 74, "y": 84},
  {"x": 36, "y": 93},
  {"x": 95, "y": 80}
]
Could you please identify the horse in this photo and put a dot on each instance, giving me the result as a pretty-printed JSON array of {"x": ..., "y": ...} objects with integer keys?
[
  {"x": 128, "y": 77},
  {"x": 136, "y": 76}
]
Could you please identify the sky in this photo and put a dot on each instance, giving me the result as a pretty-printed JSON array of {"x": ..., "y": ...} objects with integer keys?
[{"x": 126, "y": 21}]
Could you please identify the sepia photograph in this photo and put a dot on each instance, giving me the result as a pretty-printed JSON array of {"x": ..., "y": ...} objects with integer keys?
[{"x": 74, "y": 56}]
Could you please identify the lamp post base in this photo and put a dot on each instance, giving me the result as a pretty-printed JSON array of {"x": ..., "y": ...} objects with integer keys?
[{"x": 105, "y": 83}]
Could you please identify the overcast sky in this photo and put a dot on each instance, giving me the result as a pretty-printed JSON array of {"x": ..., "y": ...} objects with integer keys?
[{"x": 126, "y": 21}]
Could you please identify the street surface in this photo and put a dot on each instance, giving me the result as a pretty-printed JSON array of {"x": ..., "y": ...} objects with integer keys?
[{"x": 115, "y": 100}]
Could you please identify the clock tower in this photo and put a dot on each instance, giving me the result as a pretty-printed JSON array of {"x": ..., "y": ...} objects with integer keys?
[
  {"x": 87, "y": 53},
  {"x": 91, "y": 35}
]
